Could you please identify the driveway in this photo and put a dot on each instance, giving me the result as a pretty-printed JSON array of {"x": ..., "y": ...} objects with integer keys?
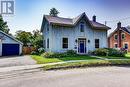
[
  {"x": 16, "y": 61},
  {"x": 87, "y": 77}
]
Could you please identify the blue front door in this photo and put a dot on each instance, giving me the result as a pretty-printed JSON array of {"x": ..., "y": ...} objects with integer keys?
[{"x": 82, "y": 48}]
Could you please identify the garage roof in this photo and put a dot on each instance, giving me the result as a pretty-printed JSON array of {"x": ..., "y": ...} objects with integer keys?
[{"x": 11, "y": 37}]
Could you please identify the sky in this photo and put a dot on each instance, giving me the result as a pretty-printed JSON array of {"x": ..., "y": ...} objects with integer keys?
[{"x": 29, "y": 13}]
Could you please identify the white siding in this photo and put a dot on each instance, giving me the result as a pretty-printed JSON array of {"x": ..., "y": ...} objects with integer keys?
[
  {"x": 56, "y": 34},
  {"x": 9, "y": 40}
]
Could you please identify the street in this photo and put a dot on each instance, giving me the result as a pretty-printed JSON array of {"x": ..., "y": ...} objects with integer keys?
[{"x": 88, "y": 77}]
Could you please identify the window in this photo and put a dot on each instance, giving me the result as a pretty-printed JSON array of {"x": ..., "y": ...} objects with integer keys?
[
  {"x": 47, "y": 27},
  {"x": 82, "y": 27},
  {"x": 48, "y": 43},
  {"x": 65, "y": 43},
  {"x": 44, "y": 44},
  {"x": 126, "y": 46},
  {"x": 96, "y": 43},
  {"x": 115, "y": 36},
  {"x": 115, "y": 45},
  {"x": 123, "y": 36}
]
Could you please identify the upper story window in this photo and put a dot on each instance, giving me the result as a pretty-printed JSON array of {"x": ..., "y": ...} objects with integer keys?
[
  {"x": 123, "y": 36},
  {"x": 65, "y": 43},
  {"x": 96, "y": 43},
  {"x": 47, "y": 27},
  {"x": 115, "y": 36},
  {"x": 82, "y": 27}
]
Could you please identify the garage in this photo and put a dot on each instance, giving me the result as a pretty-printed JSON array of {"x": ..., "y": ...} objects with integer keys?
[
  {"x": 9, "y": 46},
  {"x": 10, "y": 49}
]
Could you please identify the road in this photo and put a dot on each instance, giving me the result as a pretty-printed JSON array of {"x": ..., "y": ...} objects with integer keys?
[{"x": 87, "y": 77}]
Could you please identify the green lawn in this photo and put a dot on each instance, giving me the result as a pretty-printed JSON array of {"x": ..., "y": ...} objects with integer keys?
[
  {"x": 92, "y": 61},
  {"x": 42, "y": 60},
  {"x": 89, "y": 63}
]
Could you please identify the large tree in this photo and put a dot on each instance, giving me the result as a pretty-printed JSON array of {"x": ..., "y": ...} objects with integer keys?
[
  {"x": 54, "y": 12},
  {"x": 34, "y": 38},
  {"x": 3, "y": 25},
  {"x": 37, "y": 39},
  {"x": 24, "y": 37}
]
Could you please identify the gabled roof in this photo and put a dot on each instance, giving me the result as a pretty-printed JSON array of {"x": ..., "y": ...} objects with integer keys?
[
  {"x": 125, "y": 29},
  {"x": 11, "y": 37},
  {"x": 73, "y": 21}
]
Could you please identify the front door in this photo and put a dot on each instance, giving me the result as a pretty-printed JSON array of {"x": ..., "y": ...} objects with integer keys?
[{"x": 82, "y": 46}]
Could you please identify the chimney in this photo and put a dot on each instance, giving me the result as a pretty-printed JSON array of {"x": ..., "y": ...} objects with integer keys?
[
  {"x": 94, "y": 18},
  {"x": 119, "y": 25}
]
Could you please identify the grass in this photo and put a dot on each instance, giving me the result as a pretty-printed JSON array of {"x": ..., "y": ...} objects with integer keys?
[
  {"x": 92, "y": 61},
  {"x": 87, "y": 64},
  {"x": 42, "y": 60}
]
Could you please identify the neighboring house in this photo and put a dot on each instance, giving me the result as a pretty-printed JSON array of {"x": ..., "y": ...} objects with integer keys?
[
  {"x": 79, "y": 34},
  {"x": 9, "y": 45},
  {"x": 120, "y": 38}
]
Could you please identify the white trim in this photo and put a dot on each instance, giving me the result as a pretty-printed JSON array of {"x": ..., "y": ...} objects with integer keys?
[
  {"x": 126, "y": 43},
  {"x": 115, "y": 35},
  {"x": 11, "y": 37},
  {"x": 62, "y": 43},
  {"x": 114, "y": 45},
  {"x": 124, "y": 36},
  {"x": 85, "y": 44}
]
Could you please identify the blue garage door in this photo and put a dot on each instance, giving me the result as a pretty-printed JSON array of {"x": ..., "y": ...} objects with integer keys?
[{"x": 10, "y": 49}]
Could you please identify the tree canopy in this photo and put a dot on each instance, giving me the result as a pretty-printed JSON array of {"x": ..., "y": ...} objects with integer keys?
[
  {"x": 54, "y": 12},
  {"x": 3, "y": 25},
  {"x": 35, "y": 38}
]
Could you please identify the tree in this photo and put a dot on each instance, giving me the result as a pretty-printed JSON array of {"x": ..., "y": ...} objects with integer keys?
[
  {"x": 3, "y": 25},
  {"x": 54, "y": 12},
  {"x": 37, "y": 39},
  {"x": 34, "y": 38},
  {"x": 24, "y": 37}
]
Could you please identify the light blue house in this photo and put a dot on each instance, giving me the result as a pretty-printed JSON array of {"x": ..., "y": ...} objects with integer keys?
[{"x": 79, "y": 34}]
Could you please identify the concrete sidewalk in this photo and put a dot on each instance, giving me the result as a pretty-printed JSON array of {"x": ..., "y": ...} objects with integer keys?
[
  {"x": 29, "y": 67},
  {"x": 36, "y": 66}
]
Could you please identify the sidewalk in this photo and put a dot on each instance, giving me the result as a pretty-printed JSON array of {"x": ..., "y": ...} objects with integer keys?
[
  {"x": 103, "y": 58},
  {"x": 36, "y": 66}
]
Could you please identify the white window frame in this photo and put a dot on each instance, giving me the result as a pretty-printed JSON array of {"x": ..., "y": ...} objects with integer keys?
[
  {"x": 82, "y": 23},
  {"x": 114, "y": 37},
  {"x": 62, "y": 42},
  {"x": 121, "y": 36},
  {"x": 115, "y": 44},
  {"x": 126, "y": 43}
]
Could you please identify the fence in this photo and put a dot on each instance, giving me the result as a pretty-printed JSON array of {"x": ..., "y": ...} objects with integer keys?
[{"x": 28, "y": 50}]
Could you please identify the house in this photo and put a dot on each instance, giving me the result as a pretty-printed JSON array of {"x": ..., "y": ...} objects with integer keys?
[
  {"x": 9, "y": 45},
  {"x": 120, "y": 38},
  {"x": 79, "y": 34}
]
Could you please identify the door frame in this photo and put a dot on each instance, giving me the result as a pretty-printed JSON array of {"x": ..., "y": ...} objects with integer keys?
[{"x": 85, "y": 45}]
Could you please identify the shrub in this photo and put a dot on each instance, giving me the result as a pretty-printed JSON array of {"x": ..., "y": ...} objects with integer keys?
[
  {"x": 109, "y": 52},
  {"x": 48, "y": 54},
  {"x": 59, "y": 55},
  {"x": 100, "y": 52},
  {"x": 71, "y": 53},
  {"x": 115, "y": 52},
  {"x": 34, "y": 53},
  {"x": 41, "y": 50}
]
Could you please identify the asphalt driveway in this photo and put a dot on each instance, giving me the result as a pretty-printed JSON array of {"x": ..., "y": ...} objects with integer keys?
[{"x": 16, "y": 61}]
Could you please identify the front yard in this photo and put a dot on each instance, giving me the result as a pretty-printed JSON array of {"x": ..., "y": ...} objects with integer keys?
[
  {"x": 43, "y": 60},
  {"x": 87, "y": 61}
]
